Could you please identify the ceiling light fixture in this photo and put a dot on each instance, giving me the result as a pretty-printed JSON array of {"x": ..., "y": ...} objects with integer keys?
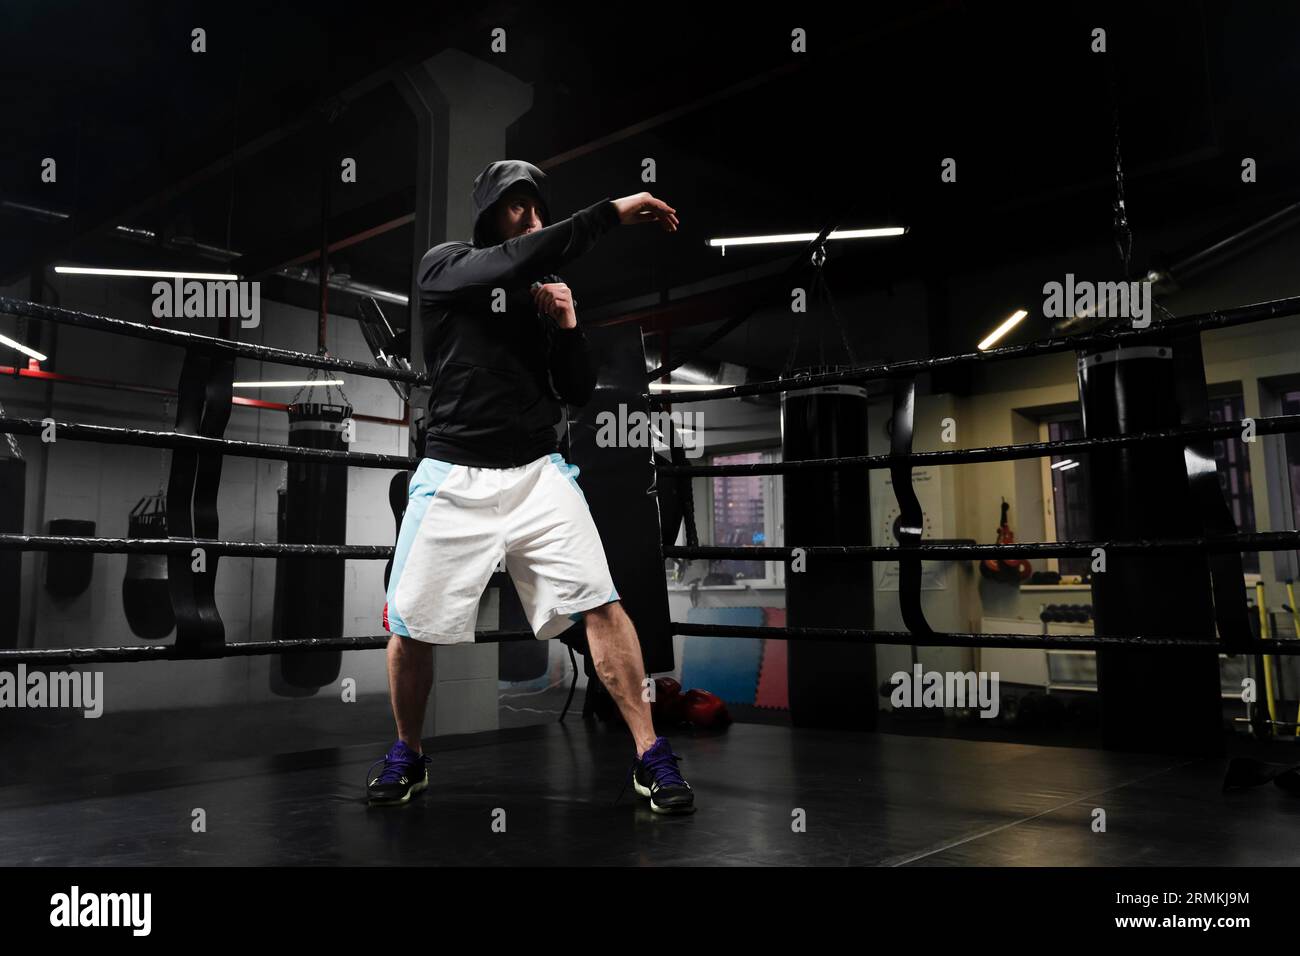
[
  {"x": 884, "y": 232},
  {"x": 661, "y": 387},
  {"x": 1002, "y": 329},
  {"x": 35, "y": 210},
  {"x": 31, "y": 353},
  {"x": 306, "y": 384},
  {"x": 144, "y": 273}
]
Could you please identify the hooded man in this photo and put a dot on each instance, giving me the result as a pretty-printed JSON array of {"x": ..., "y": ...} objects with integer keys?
[{"x": 503, "y": 347}]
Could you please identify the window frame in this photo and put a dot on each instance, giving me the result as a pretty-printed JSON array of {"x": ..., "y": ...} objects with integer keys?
[
  {"x": 1045, "y": 420},
  {"x": 773, "y": 517}
]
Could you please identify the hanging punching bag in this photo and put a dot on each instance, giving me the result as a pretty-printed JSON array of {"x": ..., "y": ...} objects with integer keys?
[
  {"x": 828, "y": 506},
  {"x": 1151, "y": 700},
  {"x": 670, "y": 506},
  {"x": 398, "y": 495},
  {"x": 316, "y": 510},
  {"x": 68, "y": 573},
  {"x": 145, "y": 595},
  {"x": 619, "y": 485}
]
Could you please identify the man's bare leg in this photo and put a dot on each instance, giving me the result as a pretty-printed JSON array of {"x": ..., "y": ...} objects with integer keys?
[
  {"x": 616, "y": 654},
  {"x": 410, "y": 679}
]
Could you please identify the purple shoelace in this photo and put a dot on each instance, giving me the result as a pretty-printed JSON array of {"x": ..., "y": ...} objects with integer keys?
[
  {"x": 398, "y": 763},
  {"x": 661, "y": 764}
]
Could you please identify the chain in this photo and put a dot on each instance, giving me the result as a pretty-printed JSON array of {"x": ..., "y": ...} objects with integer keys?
[
  {"x": 829, "y": 299},
  {"x": 1123, "y": 234},
  {"x": 311, "y": 377},
  {"x": 342, "y": 394}
]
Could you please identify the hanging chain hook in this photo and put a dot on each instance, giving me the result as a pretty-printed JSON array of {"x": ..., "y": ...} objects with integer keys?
[
  {"x": 819, "y": 256},
  {"x": 1123, "y": 234}
]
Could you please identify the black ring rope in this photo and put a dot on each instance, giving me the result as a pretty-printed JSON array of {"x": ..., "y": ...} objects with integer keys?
[
  {"x": 1226, "y": 544},
  {"x": 113, "y": 435},
  {"x": 1252, "y": 541},
  {"x": 1083, "y": 642},
  {"x": 195, "y": 343},
  {"x": 1272, "y": 425},
  {"x": 1217, "y": 319},
  {"x": 51, "y": 656},
  {"x": 178, "y": 545},
  {"x": 205, "y": 343}
]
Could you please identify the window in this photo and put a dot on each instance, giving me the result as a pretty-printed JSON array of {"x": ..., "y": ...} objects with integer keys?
[
  {"x": 1071, "y": 498},
  {"x": 735, "y": 511},
  {"x": 743, "y": 514}
]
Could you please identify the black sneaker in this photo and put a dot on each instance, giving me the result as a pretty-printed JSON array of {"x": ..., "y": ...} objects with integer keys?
[
  {"x": 655, "y": 776},
  {"x": 405, "y": 774}
]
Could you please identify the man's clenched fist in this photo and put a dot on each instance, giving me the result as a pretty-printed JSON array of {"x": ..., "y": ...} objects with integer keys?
[{"x": 556, "y": 300}]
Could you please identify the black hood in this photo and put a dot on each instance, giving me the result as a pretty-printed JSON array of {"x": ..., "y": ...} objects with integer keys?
[{"x": 493, "y": 182}]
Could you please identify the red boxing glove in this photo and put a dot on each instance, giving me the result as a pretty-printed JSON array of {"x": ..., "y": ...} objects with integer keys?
[
  {"x": 704, "y": 711},
  {"x": 666, "y": 706}
]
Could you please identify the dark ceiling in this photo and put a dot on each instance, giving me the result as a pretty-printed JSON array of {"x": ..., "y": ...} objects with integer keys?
[{"x": 226, "y": 148}]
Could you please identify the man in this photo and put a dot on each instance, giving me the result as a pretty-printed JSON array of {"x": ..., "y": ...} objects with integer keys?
[{"x": 504, "y": 348}]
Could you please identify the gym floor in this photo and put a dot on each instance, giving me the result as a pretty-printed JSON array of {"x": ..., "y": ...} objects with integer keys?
[{"x": 888, "y": 799}]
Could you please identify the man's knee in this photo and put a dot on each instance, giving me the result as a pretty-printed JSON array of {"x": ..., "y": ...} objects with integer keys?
[
  {"x": 605, "y": 613},
  {"x": 404, "y": 646}
]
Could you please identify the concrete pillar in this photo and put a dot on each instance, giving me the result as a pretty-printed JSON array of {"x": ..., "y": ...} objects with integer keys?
[{"x": 463, "y": 107}]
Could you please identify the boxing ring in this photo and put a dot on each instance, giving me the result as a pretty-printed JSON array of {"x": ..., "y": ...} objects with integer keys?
[{"x": 877, "y": 799}]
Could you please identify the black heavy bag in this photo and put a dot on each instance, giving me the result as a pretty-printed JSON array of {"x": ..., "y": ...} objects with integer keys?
[
  {"x": 828, "y": 506},
  {"x": 145, "y": 595},
  {"x": 13, "y": 498},
  {"x": 398, "y": 495},
  {"x": 1151, "y": 700},
  {"x": 68, "y": 573},
  {"x": 619, "y": 485},
  {"x": 316, "y": 511},
  {"x": 670, "y": 505}
]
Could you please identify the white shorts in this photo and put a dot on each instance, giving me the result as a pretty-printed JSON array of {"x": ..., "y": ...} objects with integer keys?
[{"x": 461, "y": 521}]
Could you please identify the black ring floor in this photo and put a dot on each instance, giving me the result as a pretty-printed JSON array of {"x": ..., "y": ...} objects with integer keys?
[{"x": 868, "y": 799}]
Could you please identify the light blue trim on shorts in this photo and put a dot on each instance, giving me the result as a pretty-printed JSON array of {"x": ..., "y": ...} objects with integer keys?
[
  {"x": 572, "y": 472},
  {"x": 613, "y": 596},
  {"x": 424, "y": 485},
  {"x": 569, "y": 471}
]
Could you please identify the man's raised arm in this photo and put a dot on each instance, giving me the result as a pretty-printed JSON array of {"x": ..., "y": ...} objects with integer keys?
[
  {"x": 509, "y": 264},
  {"x": 458, "y": 268}
]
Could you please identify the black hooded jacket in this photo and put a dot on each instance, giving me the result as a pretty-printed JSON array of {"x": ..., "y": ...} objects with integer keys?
[{"x": 499, "y": 376}]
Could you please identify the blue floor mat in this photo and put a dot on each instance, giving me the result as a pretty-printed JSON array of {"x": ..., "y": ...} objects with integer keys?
[{"x": 726, "y": 666}]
